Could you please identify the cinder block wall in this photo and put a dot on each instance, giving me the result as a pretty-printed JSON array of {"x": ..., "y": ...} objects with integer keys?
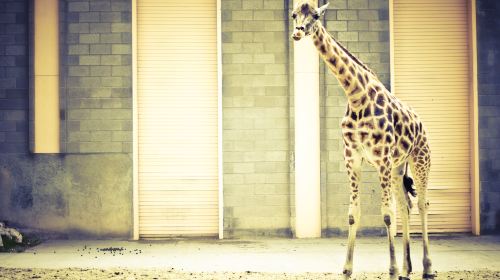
[
  {"x": 362, "y": 26},
  {"x": 86, "y": 190},
  {"x": 13, "y": 77},
  {"x": 488, "y": 42},
  {"x": 99, "y": 71},
  {"x": 255, "y": 117}
]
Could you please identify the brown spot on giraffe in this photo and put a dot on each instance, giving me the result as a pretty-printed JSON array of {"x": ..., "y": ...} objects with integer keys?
[
  {"x": 355, "y": 90},
  {"x": 361, "y": 79},
  {"x": 380, "y": 100},
  {"x": 371, "y": 93},
  {"x": 363, "y": 100},
  {"x": 333, "y": 61},
  {"x": 364, "y": 136},
  {"x": 348, "y": 152},
  {"x": 376, "y": 138}
]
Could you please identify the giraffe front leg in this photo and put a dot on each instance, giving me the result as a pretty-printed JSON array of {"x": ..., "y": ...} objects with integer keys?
[
  {"x": 388, "y": 213},
  {"x": 353, "y": 164}
]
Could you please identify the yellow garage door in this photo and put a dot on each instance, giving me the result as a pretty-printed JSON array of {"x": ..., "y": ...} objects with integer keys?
[
  {"x": 177, "y": 117},
  {"x": 432, "y": 75}
]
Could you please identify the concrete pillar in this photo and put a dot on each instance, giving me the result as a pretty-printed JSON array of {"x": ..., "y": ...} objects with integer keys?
[
  {"x": 46, "y": 80},
  {"x": 307, "y": 140}
]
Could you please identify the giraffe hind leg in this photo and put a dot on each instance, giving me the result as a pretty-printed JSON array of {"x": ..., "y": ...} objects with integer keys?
[{"x": 420, "y": 167}]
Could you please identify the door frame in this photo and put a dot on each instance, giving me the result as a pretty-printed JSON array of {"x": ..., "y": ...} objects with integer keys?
[
  {"x": 135, "y": 122},
  {"x": 474, "y": 119}
]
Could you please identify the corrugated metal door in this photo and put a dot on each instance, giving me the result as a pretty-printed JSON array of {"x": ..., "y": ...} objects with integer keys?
[
  {"x": 177, "y": 117},
  {"x": 432, "y": 74}
]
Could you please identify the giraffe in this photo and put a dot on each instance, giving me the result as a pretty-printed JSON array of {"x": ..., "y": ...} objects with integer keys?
[{"x": 378, "y": 129}]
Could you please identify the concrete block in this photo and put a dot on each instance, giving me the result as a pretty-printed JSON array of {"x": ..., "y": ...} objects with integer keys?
[
  {"x": 231, "y": 5},
  {"x": 121, "y": 6},
  {"x": 368, "y": 14},
  {"x": 89, "y": 17},
  {"x": 100, "y": 92},
  {"x": 264, "y": 15},
  {"x": 264, "y": 58},
  {"x": 242, "y": 58},
  {"x": 113, "y": 38},
  {"x": 111, "y": 17},
  {"x": 100, "y": 147},
  {"x": 78, "y": 49},
  {"x": 357, "y": 4},
  {"x": 241, "y": 37},
  {"x": 89, "y": 38},
  {"x": 100, "y": 6},
  {"x": 252, "y": 4},
  {"x": 90, "y": 60},
  {"x": 121, "y": 27},
  {"x": 100, "y": 136},
  {"x": 337, "y": 4},
  {"x": 368, "y": 36},
  {"x": 122, "y": 71},
  {"x": 357, "y": 25},
  {"x": 100, "y": 27},
  {"x": 357, "y": 47},
  {"x": 123, "y": 136},
  {"x": 347, "y": 15},
  {"x": 78, "y": 70},
  {"x": 348, "y": 36},
  {"x": 112, "y": 81},
  {"x": 100, "y": 49},
  {"x": 232, "y": 26},
  {"x": 121, "y": 49},
  {"x": 242, "y": 15},
  {"x": 379, "y": 4},
  {"x": 111, "y": 60},
  {"x": 274, "y": 5},
  {"x": 100, "y": 71},
  {"x": 80, "y": 6},
  {"x": 274, "y": 26},
  {"x": 79, "y": 114},
  {"x": 337, "y": 25},
  {"x": 96, "y": 125},
  {"x": 78, "y": 28},
  {"x": 379, "y": 25}
]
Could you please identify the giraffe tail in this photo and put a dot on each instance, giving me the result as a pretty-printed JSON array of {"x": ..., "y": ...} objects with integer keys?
[{"x": 408, "y": 183}]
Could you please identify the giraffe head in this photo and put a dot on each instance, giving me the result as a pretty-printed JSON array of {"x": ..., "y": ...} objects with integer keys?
[{"x": 305, "y": 17}]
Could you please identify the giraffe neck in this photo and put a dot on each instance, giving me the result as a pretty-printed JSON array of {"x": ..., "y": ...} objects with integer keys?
[{"x": 352, "y": 74}]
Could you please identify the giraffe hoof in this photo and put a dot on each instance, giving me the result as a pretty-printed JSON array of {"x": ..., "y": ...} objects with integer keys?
[
  {"x": 347, "y": 273},
  {"x": 404, "y": 278},
  {"x": 429, "y": 276}
]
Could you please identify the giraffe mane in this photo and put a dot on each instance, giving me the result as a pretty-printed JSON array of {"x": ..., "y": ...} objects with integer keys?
[{"x": 354, "y": 58}]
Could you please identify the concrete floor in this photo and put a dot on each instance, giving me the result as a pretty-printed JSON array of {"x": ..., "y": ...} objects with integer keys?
[{"x": 451, "y": 253}]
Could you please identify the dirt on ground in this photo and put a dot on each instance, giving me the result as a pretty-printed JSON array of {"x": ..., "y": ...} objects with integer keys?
[{"x": 129, "y": 274}]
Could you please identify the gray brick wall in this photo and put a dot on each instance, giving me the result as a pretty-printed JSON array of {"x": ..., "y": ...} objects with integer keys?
[
  {"x": 98, "y": 83},
  {"x": 363, "y": 27},
  {"x": 256, "y": 117},
  {"x": 13, "y": 77},
  {"x": 488, "y": 37},
  {"x": 52, "y": 193}
]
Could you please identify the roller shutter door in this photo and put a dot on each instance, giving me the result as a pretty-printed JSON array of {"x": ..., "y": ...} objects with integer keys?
[
  {"x": 177, "y": 118},
  {"x": 432, "y": 75}
]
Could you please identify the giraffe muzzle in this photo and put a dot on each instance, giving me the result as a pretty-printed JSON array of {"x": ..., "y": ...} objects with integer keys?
[{"x": 297, "y": 34}]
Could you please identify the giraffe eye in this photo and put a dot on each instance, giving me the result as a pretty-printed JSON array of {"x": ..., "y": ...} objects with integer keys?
[{"x": 294, "y": 15}]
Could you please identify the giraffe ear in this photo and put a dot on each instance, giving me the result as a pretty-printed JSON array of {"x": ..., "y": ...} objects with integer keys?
[{"x": 321, "y": 10}]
